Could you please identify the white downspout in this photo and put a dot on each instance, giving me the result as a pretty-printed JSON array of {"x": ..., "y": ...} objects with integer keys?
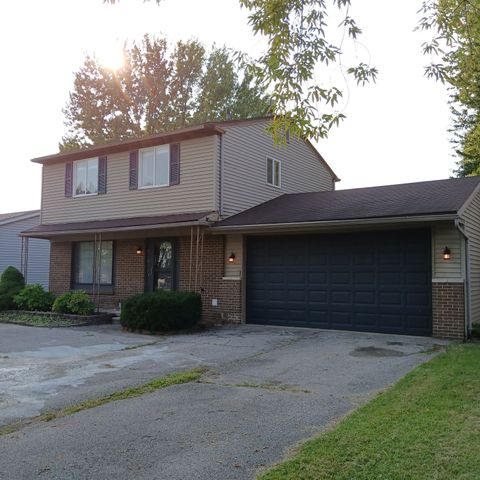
[{"x": 468, "y": 323}]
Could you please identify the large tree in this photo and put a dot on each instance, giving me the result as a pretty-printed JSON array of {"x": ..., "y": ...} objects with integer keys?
[
  {"x": 455, "y": 47},
  {"x": 300, "y": 42},
  {"x": 157, "y": 90}
]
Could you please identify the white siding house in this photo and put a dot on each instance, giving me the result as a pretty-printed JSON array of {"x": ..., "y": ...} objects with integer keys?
[{"x": 36, "y": 267}]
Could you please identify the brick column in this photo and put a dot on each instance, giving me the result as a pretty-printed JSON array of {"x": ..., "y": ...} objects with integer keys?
[
  {"x": 448, "y": 310},
  {"x": 210, "y": 283}
]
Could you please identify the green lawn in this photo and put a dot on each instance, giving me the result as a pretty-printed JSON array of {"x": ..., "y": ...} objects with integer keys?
[{"x": 425, "y": 427}]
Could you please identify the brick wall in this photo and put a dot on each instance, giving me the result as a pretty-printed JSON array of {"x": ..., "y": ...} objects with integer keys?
[
  {"x": 208, "y": 280},
  {"x": 448, "y": 309},
  {"x": 129, "y": 271},
  {"x": 130, "y": 274}
]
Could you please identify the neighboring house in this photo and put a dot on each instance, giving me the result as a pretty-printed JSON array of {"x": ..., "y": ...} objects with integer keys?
[
  {"x": 30, "y": 256},
  {"x": 259, "y": 231}
]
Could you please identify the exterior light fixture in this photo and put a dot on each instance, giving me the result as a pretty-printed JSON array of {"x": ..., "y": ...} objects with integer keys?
[
  {"x": 231, "y": 258},
  {"x": 139, "y": 250},
  {"x": 447, "y": 254}
]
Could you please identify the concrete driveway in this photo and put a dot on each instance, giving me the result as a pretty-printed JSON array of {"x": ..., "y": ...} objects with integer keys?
[{"x": 267, "y": 388}]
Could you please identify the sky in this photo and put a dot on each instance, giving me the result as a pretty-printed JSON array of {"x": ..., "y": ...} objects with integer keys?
[{"x": 395, "y": 131}]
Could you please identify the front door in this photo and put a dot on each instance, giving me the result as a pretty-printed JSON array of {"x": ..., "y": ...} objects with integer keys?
[{"x": 160, "y": 265}]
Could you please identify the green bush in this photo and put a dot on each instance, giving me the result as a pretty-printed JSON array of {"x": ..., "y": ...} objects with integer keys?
[
  {"x": 161, "y": 311},
  {"x": 11, "y": 283},
  {"x": 77, "y": 302},
  {"x": 34, "y": 298}
]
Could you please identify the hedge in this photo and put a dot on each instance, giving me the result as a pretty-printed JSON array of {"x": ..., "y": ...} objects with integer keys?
[
  {"x": 161, "y": 311},
  {"x": 34, "y": 298},
  {"x": 11, "y": 283},
  {"x": 76, "y": 302}
]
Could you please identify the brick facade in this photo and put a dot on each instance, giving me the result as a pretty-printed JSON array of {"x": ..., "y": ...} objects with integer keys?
[
  {"x": 448, "y": 310},
  {"x": 204, "y": 277},
  {"x": 209, "y": 279},
  {"x": 129, "y": 271}
]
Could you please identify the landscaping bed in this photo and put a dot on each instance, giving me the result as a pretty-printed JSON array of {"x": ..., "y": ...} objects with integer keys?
[
  {"x": 49, "y": 319},
  {"x": 424, "y": 427}
]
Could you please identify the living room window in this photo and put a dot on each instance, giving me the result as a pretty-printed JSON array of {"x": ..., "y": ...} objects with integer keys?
[
  {"x": 85, "y": 177},
  {"x": 154, "y": 167},
  {"x": 92, "y": 264},
  {"x": 274, "y": 173}
]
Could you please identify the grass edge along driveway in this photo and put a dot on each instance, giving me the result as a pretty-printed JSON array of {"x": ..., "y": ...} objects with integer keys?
[{"x": 427, "y": 426}]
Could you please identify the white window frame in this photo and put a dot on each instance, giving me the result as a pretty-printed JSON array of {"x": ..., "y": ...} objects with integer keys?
[
  {"x": 274, "y": 161},
  {"x": 74, "y": 177},
  {"x": 140, "y": 167}
]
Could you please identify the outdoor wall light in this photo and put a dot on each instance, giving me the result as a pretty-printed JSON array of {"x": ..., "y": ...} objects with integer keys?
[
  {"x": 446, "y": 254},
  {"x": 231, "y": 258},
  {"x": 139, "y": 250}
]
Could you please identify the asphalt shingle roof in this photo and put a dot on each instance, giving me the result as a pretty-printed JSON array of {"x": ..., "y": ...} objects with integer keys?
[{"x": 409, "y": 199}]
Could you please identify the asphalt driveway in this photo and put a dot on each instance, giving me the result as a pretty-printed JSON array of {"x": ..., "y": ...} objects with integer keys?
[{"x": 266, "y": 389}]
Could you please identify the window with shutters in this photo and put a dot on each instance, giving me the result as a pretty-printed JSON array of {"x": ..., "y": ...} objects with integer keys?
[
  {"x": 85, "y": 177},
  {"x": 154, "y": 167},
  {"x": 274, "y": 172}
]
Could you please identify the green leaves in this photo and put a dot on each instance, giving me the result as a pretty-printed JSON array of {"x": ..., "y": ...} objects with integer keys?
[
  {"x": 298, "y": 46},
  {"x": 455, "y": 59}
]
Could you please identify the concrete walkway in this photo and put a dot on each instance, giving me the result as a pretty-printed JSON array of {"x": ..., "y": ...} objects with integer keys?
[{"x": 267, "y": 388}]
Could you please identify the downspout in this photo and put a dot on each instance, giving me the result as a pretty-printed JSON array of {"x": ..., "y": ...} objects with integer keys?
[
  {"x": 220, "y": 187},
  {"x": 468, "y": 323}
]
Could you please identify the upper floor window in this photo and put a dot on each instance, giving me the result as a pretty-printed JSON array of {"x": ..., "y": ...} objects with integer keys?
[
  {"x": 85, "y": 177},
  {"x": 274, "y": 172},
  {"x": 154, "y": 168}
]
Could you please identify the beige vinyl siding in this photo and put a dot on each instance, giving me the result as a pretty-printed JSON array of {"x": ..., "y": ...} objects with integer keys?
[
  {"x": 245, "y": 149},
  {"x": 233, "y": 244},
  {"x": 195, "y": 193},
  {"x": 447, "y": 270},
  {"x": 471, "y": 219}
]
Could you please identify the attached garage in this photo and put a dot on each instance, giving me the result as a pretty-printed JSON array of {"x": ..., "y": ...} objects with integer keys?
[
  {"x": 376, "y": 282},
  {"x": 401, "y": 259}
]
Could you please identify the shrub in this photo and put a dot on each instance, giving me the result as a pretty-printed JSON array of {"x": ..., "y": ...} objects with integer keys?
[
  {"x": 11, "y": 283},
  {"x": 77, "y": 302},
  {"x": 34, "y": 298},
  {"x": 161, "y": 311}
]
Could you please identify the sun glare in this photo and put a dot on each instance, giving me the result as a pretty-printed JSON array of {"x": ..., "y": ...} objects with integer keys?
[{"x": 111, "y": 56}]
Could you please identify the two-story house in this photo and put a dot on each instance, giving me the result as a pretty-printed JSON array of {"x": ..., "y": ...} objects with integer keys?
[
  {"x": 261, "y": 233},
  {"x": 134, "y": 216}
]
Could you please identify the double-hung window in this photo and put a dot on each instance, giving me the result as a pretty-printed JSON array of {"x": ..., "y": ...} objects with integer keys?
[
  {"x": 85, "y": 177},
  {"x": 154, "y": 167},
  {"x": 274, "y": 172},
  {"x": 92, "y": 264}
]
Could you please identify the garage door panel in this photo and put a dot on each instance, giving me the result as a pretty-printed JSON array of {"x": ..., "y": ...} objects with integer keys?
[{"x": 377, "y": 281}]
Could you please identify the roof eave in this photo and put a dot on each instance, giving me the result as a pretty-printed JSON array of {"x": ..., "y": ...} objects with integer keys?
[
  {"x": 268, "y": 227},
  {"x": 60, "y": 233},
  {"x": 203, "y": 130}
]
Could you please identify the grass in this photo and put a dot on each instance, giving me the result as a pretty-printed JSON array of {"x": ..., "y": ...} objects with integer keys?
[
  {"x": 131, "y": 392},
  {"x": 425, "y": 427},
  {"x": 33, "y": 320}
]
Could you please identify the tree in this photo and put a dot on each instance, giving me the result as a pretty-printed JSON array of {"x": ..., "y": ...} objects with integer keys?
[
  {"x": 157, "y": 91},
  {"x": 298, "y": 45},
  {"x": 455, "y": 48}
]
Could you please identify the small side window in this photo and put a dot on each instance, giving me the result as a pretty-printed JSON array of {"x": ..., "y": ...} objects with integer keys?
[{"x": 274, "y": 172}]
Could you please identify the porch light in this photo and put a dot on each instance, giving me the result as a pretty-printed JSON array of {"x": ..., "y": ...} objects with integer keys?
[
  {"x": 446, "y": 254},
  {"x": 139, "y": 250},
  {"x": 231, "y": 258}
]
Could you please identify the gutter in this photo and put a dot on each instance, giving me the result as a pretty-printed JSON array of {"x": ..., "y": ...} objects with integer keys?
[
  {"x": 267, "y": 227},
  {"x": 46, "y": 235},
  {"x": 468, "y": 299}
]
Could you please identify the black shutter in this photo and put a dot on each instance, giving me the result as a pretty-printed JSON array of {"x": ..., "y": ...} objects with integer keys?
[
  {"x": 133, "y": 180},
  {"x": 68, "y": 179},
  {"x": 174, "y": 164},
  {"x": 102, "y": 175}
]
